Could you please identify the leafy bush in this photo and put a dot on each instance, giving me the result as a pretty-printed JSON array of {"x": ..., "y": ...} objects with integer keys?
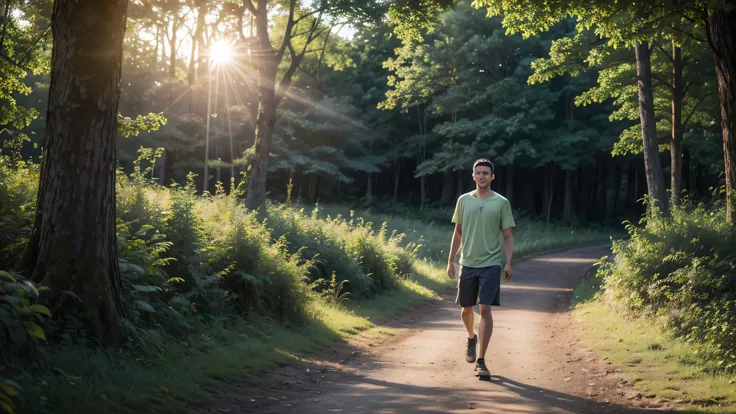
[
  {"x": 18, "y": 188},
  {"x": 21, "y": 331},
  {"x": 682, "y": 271}
]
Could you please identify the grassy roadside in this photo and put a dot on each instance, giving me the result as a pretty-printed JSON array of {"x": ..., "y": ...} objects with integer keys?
[{"x": 658, "y": 365}]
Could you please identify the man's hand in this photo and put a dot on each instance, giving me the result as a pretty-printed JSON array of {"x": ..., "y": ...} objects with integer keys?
[
  {"x": 507, "y": 270},
  {"x": 451, "y": 270}
]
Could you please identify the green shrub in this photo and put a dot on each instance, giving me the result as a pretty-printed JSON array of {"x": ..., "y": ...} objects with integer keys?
[
  {"x": 22, "y": 320},
  {"x": 682, "y": 271},
  {"x": 18, "y": 188}
]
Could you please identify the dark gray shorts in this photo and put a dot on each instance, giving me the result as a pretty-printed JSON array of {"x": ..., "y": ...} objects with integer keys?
[{"x": 479, "y": 285}]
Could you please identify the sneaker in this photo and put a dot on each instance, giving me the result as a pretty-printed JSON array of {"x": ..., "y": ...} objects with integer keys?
[
  {"x": 470, "y": 349},
  {"x": 481, "y": 370}
]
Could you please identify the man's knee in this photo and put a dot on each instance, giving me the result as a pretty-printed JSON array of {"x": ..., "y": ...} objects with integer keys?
[
  {"x": 467, "y": 310},
  {"x": 485, "y": 310}
]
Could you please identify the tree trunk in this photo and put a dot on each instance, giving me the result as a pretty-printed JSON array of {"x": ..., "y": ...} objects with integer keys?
[
  {"x": 600, "y": 190},
  {"x": 196, "y": 42},
  {"x": 447, "y": 184},
  {"x": 510, "y": 183},
  {"x": 614, "y": 184},
  {"x": 549, "y": 190},
  {"x": 172, "y": 42},
  {"x": 676, "y": 144},
  {"x": 268, "y": 101},
  {"x": 721, "y": 32},
  {"x": 72, "y": 246},
  {"x": 689, "y": 172},
  {"x": 583, "y": 192},
  {"x": 397, "y": 176},
  {"x": 567, "y": 209},
  {"x": 631, "y": 186},
  {"x": 652, "y": 165},
  {"x": 423, "y": 191},
  {"x": 369, "y": 188},
  {"x": 162, "y": 168}
]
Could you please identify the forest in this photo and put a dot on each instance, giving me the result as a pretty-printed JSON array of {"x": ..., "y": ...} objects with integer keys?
[{"x": 179, "y": 169}]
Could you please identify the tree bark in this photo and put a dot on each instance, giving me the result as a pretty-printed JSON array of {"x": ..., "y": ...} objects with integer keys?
[
  {"x": 369, "y": 188},
  {"x": 459, "y": 183},
  {"x": 256, "y": 196},
  {"x": 510, "y": 183},
  {"x": 721, "y": 30},
  {"x": 652, "y": 165},
  {"x": 268, "y": 61},
  {"x": 599, "y": 202},
  {"x": 397, "y": 176},
  {"x": 631, "y": 186},
  {"x": 423, "y": 191},
  {"x": 676, "y": 144},
  {"x": 197, "y": 42},
  {"x": 72, "y": 246},
  {"x": 447, "y": 184},
  {"x": 567, "y": 209},
  {"x": 172, "y": 39},
  {"x": 613, "y": 208}
]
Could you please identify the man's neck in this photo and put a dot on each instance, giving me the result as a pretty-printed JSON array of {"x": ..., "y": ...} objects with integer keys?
[{"x": 483, "y": 193}]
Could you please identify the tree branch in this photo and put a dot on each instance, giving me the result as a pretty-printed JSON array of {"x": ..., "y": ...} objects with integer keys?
[
  {"x": 692, "y": 112},
  {"x": 33, "y": 46},
  {"x": 312, "y": 13},
  {"x": 12, "y": 62},
  {"x": 296, "y": 59},
  {"x": 667, "y": 54},
  {"x": 685, "y": 89},
  {"x": 691, "y": 35},
  {"x": 6, "y": 20},
  {"x": 662, "y": 81},
  {"x": 287, "y": 32},
  {"x": 249, "y": 5}
]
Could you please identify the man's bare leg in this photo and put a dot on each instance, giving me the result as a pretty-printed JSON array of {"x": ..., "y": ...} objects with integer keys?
[
  {"x": 468, "y": 316},
  {"x": 484, "y": 335},
  {"x": 485, "y": 329},
  {"x": 471, "y": 343}
]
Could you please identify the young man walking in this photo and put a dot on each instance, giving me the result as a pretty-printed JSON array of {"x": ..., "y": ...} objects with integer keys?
[{"x": 480, "y": 217}]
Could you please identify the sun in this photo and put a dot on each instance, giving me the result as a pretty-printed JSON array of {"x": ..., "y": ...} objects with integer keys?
[{"x": 221, "y": 52}]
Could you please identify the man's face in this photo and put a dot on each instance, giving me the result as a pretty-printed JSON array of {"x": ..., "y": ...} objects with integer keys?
[{"x": 482, "y": 176}]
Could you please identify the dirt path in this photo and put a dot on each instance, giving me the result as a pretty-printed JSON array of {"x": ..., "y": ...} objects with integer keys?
[{"x": 537, "y": 366}]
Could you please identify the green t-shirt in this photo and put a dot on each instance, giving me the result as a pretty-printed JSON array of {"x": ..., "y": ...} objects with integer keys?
[{"x": 482, "y": 221}]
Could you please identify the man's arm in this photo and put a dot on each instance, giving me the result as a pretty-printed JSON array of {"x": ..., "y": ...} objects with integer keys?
[
  {"x": 508, "y": 248},
  {"x": 455, "y": 244},
  {"x": 454, "y": 247},
  {"x": 508, "y": 243}
]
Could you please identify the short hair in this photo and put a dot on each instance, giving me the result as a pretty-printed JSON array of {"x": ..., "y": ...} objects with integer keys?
[{"x": 484, "y": 162}]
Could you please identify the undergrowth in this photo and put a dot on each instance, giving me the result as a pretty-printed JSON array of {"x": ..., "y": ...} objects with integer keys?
[{"x": 680, "y": 271}]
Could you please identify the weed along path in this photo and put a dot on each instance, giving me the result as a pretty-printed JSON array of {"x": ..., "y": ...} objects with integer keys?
[{"x": 536, "y": 363}]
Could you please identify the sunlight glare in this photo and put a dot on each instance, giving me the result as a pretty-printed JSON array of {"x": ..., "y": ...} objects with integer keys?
[{"x": 221, "y": 52}]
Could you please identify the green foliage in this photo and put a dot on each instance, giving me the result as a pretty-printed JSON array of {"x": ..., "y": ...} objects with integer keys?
[
  {"x": 23, "y": 49},
  {"x": 325, "y": 139},
  {"x": 18, "y": 187},
  {"x": 129, "y": 127},
  {"x": 22, "y": 320},
  {"x": 472, "y": 79},
  {"x": 682, "y": 271}
]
